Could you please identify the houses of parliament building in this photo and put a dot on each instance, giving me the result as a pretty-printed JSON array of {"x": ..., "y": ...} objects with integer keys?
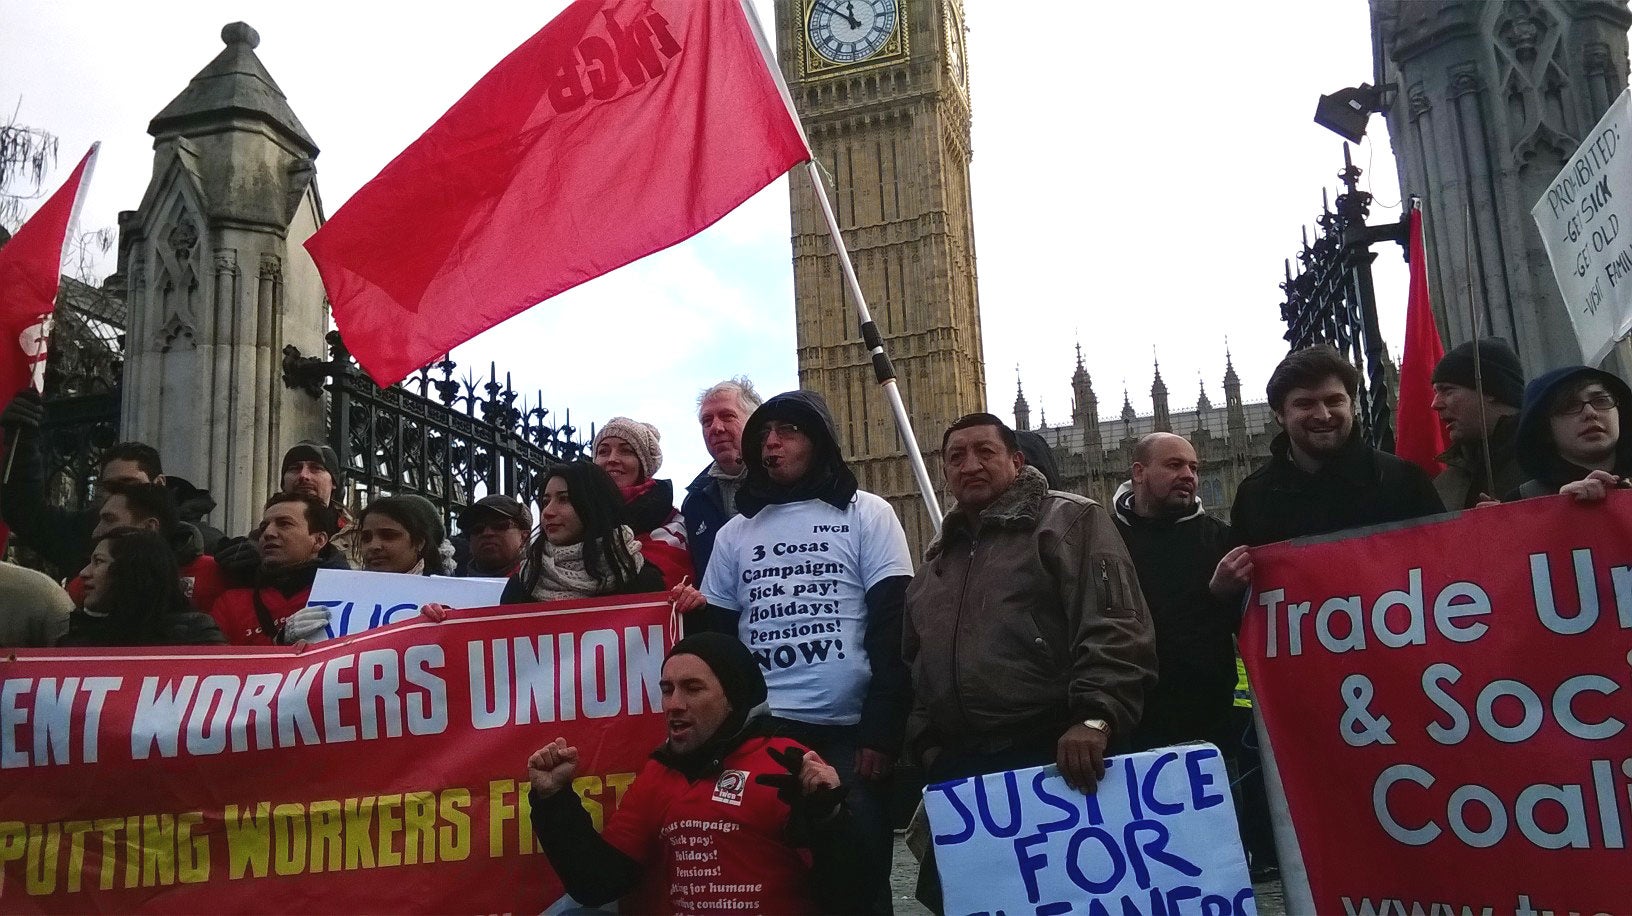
[{"x": 1094, "y": 453}]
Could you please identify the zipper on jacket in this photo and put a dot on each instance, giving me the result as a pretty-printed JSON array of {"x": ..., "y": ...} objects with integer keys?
[{"x": 957, "y": 628}]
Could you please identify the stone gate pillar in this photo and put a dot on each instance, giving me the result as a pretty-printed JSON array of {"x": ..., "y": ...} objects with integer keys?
[
  {"x": 218, "y": 283},
  {"x": 1493, "y": 99}
]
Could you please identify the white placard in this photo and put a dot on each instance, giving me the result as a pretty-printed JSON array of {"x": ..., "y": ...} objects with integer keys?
[
  {"x": 1157, "y": 836},
  {"x": 1585, "y": 219},
  {"x": 361, "y": 600}
]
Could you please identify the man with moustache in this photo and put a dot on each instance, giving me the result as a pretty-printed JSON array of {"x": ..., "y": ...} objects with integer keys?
[
  {"x": 497, "y": 528},
  {"x": 1175, "y": 547},
  {"x": 1321, "y": 476}
]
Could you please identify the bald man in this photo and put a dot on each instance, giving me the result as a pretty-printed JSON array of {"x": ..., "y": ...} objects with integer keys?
[{"x": 1175, "y": 546}]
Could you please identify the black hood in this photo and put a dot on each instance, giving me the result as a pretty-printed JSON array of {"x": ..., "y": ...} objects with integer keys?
[
  {"x": 829, "y": 478},
  {"x": 191, "y": 503},
  {"x": 1538, "y": 457}
]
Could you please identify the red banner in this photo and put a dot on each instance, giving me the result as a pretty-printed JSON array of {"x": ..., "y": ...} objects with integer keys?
[
  {"x": 380, "y": 772},
  {"x": 1447, "y": 706}
]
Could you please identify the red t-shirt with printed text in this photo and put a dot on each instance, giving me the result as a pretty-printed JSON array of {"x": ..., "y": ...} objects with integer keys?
[{"x": 717, "y": 845}]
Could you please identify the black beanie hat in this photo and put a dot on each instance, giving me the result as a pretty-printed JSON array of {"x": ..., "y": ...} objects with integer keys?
[
  {"x": 1502, "y": 374},
  {"x": 732, "y": 663},
  {"x": 313, "y": 450}
]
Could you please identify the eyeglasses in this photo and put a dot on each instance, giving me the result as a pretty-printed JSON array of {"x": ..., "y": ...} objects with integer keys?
[
  {"x": 498, "y": 525},
  {"x": 782, "y": 430},
  {"x": 1603, "y": 403}
]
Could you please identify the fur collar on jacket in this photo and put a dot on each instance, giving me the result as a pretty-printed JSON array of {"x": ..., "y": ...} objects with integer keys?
[{"x": 1018, "y": 508}]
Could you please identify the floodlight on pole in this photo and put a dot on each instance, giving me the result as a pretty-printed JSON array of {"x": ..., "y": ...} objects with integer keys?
[{"x": 1346, "y": 111}]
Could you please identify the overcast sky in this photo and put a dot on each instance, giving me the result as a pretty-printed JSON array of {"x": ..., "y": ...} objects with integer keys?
[{"x": 1138, "y": 182}]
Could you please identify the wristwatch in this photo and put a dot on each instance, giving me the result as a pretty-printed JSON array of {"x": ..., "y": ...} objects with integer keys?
[{"x": 1098, "y": 725}]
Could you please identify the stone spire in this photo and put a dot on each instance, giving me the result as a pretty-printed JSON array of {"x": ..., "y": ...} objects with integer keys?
[
  {"x": 1203, "y": 404},
  {"x": 234, "y": 84},
  {"x": 1158, "y": 397},
  {"x": 1022, "y": 410},
  {"x": 1085, "y": 407},
  {"x": 218, "y": 284},
  {"x": 1235, "y": 409}
]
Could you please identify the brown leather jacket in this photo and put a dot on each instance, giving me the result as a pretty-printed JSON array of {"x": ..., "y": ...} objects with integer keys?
[{"x": 1024, "y": 619}]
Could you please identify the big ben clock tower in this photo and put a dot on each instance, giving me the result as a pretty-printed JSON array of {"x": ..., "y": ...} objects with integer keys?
[{"x": 882, "y": 89}]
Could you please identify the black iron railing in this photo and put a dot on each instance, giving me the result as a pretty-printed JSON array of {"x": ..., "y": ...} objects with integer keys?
[
  {"x": 447, "y": 439},
  {"x": 1330, "y": 298}
]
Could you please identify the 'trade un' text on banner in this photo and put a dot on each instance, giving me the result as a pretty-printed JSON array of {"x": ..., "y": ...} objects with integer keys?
[
  {"x": 1447, "y": 707},
  {"x": 383, "y": 771}
]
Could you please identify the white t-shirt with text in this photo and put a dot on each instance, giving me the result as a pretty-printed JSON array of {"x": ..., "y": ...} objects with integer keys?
[{"x": 797, "y": 575}]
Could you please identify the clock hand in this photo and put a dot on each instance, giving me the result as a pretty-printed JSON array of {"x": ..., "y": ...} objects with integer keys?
[
  {"x": 854, "y": 24},
  {"x": 850, "y": 14}
]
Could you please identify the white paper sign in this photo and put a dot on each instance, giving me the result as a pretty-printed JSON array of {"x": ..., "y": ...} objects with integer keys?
[
  {"x": 1585, "y": 219},
  {"x": 1158, "y": 836},
  {"x": 362, "y": 601}
]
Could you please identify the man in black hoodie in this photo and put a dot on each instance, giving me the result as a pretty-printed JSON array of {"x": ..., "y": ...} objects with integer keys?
[{"x": 812, "y": 576}]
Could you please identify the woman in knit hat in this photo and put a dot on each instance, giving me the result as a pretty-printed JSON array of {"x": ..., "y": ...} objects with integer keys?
[
  {"x": 583, "y": 548},
  {"x": 630, "y": 453},
  {"x": 404, "y": 534}
]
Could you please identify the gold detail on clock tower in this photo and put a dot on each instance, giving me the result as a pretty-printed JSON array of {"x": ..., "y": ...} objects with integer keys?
[{"x": 880, "y": 86}]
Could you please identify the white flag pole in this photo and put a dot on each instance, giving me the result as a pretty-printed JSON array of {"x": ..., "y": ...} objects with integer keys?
[{"x": 883, "y": 370}]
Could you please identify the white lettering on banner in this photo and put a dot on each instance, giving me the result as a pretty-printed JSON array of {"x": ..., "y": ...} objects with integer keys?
[
  {"x": 1581, "y": 219},
  {"x": 55, "y": 706},
  {"x": 603, "y": 673},
  {"x": 1546, "y": 815},
  {"x": 1157, "y": 836},
  {"x": 372, "y": 694},
  {"x": 1399, "y": 617}
]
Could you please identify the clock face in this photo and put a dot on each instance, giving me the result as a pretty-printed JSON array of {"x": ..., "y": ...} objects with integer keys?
[
  {"x": 847, "y": 31},
  {"x": 954, "y": 48}
]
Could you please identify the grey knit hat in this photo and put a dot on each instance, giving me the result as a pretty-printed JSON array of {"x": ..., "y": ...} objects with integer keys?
[{"x": 642, "y": 438}]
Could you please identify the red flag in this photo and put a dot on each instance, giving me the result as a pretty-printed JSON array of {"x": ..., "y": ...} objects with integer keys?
[
  {"x": 621, "y": 128},
  {"x": 30, "y": 272},
  {"x": 1419, "y": 437}
]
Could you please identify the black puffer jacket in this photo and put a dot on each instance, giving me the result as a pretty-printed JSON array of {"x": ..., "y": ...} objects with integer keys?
[{"x": 1360, "y": 486}]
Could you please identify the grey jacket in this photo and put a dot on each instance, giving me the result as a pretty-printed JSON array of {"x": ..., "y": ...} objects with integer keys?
[{"x": 1024, "y": 620}]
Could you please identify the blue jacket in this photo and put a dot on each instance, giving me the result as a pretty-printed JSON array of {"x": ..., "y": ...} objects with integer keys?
[{"x": 704, "y": 511}]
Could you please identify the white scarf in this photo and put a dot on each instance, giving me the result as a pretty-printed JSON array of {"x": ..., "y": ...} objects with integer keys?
[{"x": 563, "y": 573}]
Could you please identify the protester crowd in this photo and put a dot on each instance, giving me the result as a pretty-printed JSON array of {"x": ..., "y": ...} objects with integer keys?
[{"x": 1039, "y": 626}]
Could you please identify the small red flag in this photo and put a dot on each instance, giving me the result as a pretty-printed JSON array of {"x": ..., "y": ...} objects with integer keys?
[
  {"x": 1419, "y": 436},
  {"x": 30, "y": 273},
  {"x": 621, "y": 128}
]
